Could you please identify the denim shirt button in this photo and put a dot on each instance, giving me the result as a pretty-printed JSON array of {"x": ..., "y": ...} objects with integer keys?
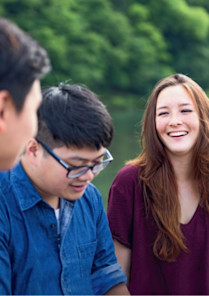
[{"x": 52, "y": 225}]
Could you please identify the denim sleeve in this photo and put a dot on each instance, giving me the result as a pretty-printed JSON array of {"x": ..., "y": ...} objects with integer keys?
[
  {"x": 5, "y": 266},
  {"x": 106, "y": 271},
  {"x": 106, "y": 278}
]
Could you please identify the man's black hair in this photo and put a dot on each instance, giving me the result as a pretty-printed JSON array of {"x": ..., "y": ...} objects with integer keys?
[{"x": 72, "y": 115}]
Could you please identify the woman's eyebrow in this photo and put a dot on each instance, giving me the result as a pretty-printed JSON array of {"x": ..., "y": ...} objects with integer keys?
[
  {"x": 161, "y": 107},
  {"x": 181, "y": 105}
]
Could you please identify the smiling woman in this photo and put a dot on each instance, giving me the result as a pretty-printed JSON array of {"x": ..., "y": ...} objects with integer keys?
[
  {"x": 158, "y": 205},
  {"x": 177, "y": 121}
]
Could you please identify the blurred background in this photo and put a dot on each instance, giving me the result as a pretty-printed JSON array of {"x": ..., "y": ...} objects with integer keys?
[{"x": 119, "y": 49}]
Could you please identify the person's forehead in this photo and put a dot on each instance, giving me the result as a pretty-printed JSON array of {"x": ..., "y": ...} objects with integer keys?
[
  {"x": 75, "y": 153},
  {"x": 174, "y": 94}
]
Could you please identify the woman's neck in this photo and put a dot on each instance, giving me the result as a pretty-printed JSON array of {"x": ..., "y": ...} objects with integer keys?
[
  {"x": 182, "y": 166},
  {"x": 188, "y": 192}
]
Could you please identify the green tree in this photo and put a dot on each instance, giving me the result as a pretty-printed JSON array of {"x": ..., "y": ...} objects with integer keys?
[
  {"x": 199, "y": 3},
  {"x": 117, "y": 46},
  {"x": 185, "y": 29}
]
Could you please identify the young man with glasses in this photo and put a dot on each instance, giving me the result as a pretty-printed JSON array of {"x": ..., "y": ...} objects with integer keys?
[{"x": 54, "y": 234}]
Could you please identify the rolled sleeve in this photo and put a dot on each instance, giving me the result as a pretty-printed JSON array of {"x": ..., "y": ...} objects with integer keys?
[
  {"x": 106, "y": 278},
  {"x": 106, "y": 272}
]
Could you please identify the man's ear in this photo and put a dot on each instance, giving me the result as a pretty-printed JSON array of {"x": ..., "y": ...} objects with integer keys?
[
  {"x": 6, "y": 104},
  {"x": 32, "y": 149},
  {"x": 32, "y": 156}
]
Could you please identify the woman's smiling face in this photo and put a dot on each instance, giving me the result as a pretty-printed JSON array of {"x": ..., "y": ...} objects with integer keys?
[{"x": 177, "y": 120}]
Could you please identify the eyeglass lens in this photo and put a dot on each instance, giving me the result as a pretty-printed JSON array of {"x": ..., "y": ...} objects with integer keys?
[{"x": 81, "y": 171}]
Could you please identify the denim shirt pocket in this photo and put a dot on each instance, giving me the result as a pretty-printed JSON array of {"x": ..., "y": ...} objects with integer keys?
[{"x": 86, "y": 254}]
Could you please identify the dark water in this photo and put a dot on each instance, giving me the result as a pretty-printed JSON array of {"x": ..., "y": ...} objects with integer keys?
[{"x": 125, "y": 146}]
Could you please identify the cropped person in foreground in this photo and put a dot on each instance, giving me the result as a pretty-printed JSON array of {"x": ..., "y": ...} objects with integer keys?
[
  {"x": 158, "y": 205},
  {"x": 22, "y": 63},
  {"x": 54, "y": 233}
]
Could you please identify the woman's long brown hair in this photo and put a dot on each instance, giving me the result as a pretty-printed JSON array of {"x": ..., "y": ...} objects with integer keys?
[{"x": 156, "y": 172}]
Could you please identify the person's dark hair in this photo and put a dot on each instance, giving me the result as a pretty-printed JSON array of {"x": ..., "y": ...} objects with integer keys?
[
  {"x": 72, "y": 115},
  {"x": 22, "y": 61},
  {"x": 159, "y": 183}
]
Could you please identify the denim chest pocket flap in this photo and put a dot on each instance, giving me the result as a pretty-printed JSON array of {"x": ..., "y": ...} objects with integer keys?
[
  {"x": 86, "y": 250},
  {"x": 86, "y": 254}
]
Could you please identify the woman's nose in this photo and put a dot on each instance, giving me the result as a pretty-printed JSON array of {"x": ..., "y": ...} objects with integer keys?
[{"x": 175, "y": 119}]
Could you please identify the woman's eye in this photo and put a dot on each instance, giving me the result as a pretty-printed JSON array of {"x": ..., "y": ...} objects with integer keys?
[
  {"x": 186, "y": 110},
  {"x": 163, "y": 113}
]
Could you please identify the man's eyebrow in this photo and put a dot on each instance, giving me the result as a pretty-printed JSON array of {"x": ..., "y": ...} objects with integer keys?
[{"x": 84, "y": 159}]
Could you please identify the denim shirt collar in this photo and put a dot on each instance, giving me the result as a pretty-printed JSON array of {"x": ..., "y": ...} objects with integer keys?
[{"x": 25, "y": 191}]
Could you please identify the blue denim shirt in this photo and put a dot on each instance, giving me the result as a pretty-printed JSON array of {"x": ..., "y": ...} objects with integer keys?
[{"x": 34, "y": 259}]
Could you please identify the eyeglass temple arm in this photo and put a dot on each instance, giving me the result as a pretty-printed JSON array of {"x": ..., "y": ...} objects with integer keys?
[{"x": 54, "y": 155}]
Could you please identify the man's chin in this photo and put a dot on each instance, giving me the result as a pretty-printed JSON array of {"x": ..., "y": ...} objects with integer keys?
[{"x": 75, "y": 197}]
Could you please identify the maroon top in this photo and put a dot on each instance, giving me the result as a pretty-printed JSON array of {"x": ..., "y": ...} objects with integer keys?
[{"x": 149, "y": 275}]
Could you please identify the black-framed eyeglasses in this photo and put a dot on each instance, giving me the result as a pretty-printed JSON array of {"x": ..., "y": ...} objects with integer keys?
[{"x": 77, "y": 171}]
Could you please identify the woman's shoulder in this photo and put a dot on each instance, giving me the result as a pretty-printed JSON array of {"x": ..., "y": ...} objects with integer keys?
[
  {"x": 127, "y": 182},
  {"x": 128, "y": 172}
]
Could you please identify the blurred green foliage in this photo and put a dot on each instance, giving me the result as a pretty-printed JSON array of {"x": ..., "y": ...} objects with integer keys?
[
  {"x": 119, "y": 46},
  {"x": 125, "y": 145}
]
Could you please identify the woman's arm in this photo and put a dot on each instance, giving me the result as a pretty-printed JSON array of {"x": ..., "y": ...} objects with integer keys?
[{"x": 123, "y": 255}]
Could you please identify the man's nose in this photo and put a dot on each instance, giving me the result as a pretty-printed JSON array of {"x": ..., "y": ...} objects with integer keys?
[{"x": 89, "y": 175}]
